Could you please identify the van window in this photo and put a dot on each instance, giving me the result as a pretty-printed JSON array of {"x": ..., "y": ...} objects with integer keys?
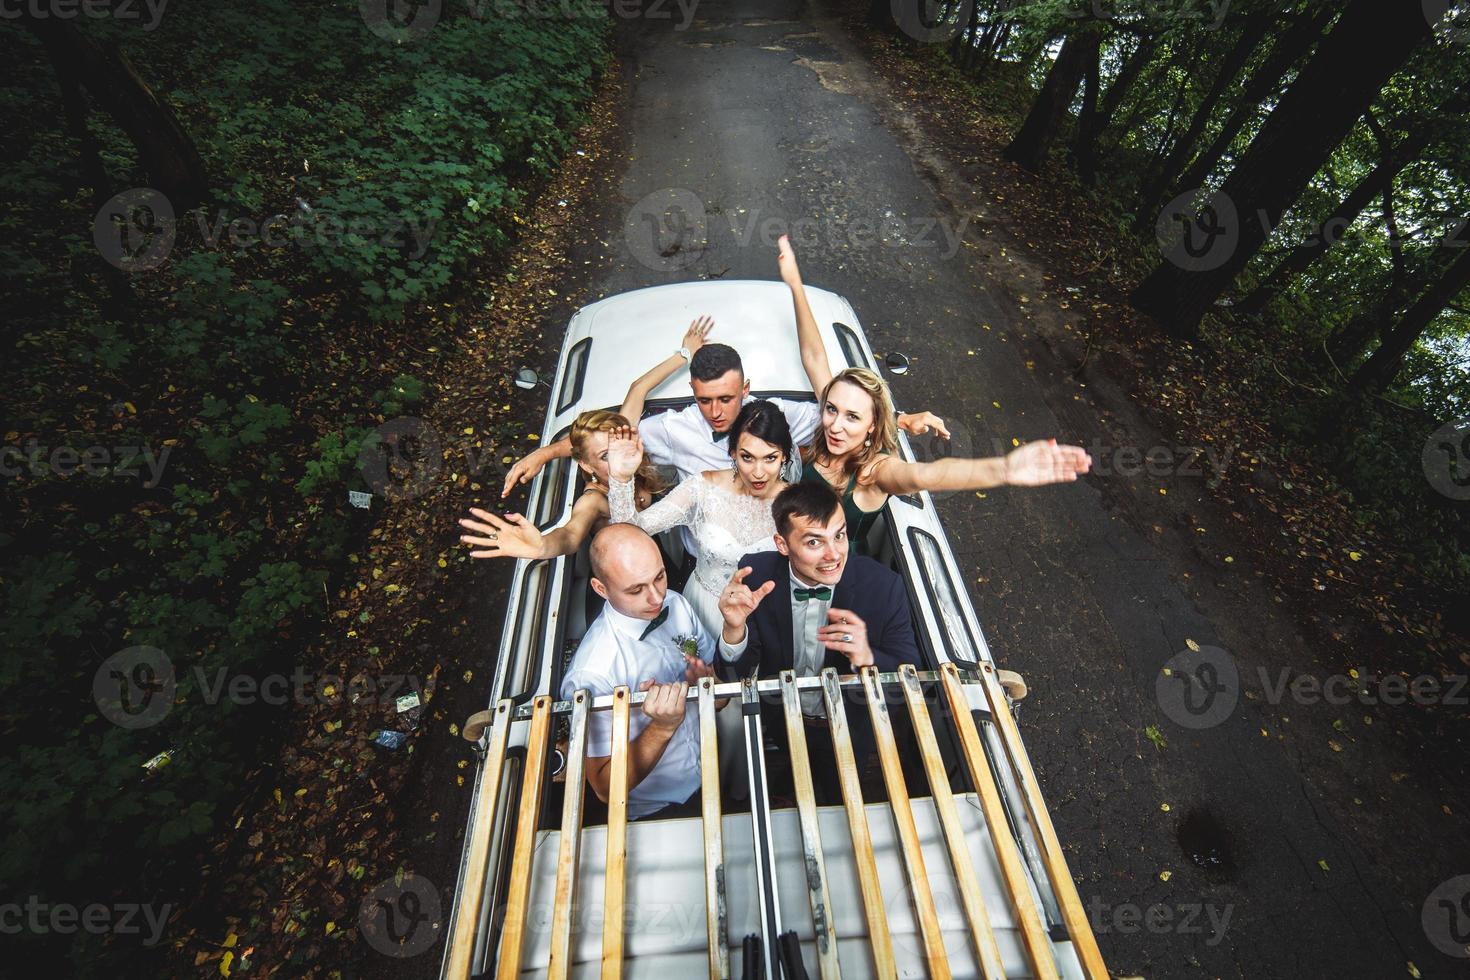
[{"x": 571, "y": 382}]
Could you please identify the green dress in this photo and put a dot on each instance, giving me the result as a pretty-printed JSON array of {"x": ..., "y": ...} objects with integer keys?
[{"x": 859, "y": 521}]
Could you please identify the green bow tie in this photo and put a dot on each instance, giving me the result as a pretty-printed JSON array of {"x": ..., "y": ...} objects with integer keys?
[
  {"x": 656, "y": 623},
  {"x": 820, "y": 592},
  {"x": 720, "y": 436}
]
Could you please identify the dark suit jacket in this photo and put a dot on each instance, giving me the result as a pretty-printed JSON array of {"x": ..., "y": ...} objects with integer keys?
[{"x": 868, "y": 588}]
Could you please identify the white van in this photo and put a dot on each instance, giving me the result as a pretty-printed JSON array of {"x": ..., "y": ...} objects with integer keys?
[{"x": 966, "y": 879}]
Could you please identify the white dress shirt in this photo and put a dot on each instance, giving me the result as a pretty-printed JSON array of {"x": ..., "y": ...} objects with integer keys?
[
  {"x": 611, "y": 655},
  {"x": 807, "y": 654},
  {"x": 684, "y": 440}
]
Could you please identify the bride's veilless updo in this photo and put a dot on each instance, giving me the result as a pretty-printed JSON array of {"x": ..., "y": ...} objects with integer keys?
[{"x": 766, "y": 422}]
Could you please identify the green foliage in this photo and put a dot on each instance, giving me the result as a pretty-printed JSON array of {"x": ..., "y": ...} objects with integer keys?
[{"x": 368, "y": 179}]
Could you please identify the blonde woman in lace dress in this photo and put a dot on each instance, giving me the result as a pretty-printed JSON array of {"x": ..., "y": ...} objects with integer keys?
[{"x": 728, "y": 511}]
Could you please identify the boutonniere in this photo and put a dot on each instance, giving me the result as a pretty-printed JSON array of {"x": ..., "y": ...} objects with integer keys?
[{"x": 688, "y": 644}]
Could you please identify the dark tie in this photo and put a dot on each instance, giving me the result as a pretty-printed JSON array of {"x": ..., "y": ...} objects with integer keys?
[
  {"x": 820, "y": 592},
  {"x": 721, "y": 436},
  {"x": 657, "y": 622}
]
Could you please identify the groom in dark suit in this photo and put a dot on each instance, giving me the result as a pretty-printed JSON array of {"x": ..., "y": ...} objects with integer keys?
[{"x": 829, "y": 610}]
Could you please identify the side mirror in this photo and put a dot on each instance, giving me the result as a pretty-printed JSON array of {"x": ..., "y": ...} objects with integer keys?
[
  {"x": 896, "y": 363},
  {"x": 527, "y": 378}
]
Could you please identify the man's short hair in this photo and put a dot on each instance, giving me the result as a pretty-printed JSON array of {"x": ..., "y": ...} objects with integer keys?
[
  {"x": 713, "y": 361},
  {"x": 807, "y": 499}
]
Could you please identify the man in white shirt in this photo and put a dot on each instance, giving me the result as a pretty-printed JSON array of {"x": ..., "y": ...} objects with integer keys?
[
  {"x": 648, "y": 639},
  {"x": 694, "y": 439}
]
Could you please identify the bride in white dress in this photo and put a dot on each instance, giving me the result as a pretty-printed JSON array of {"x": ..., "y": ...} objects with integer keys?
[{"x": 727, "y": 511}]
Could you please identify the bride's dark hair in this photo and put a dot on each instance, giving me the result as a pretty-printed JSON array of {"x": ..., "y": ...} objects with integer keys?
[{"x": 766, "y": 422}]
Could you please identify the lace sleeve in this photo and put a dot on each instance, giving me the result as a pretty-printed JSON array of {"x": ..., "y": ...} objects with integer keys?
[{"x": 678, "y": 507}]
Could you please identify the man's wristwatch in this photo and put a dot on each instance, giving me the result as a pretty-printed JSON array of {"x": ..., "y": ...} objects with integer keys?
[{"x": 684, "y": 353}]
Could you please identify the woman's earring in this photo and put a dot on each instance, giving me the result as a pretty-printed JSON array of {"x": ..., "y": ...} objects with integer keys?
[{"x": 867, "y": 443}]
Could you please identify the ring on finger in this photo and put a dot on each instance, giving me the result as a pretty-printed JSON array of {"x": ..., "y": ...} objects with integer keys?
[{"x": 846, "y": 637}]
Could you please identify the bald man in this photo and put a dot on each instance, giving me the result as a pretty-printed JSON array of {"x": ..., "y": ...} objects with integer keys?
[{"x": 641, "y": 640}]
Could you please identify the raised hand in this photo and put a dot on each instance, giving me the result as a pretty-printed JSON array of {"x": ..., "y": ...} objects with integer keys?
[
  {"x": 624, "y": 453},
  {"x": 847, "y": 634},
  {"x": 1038, "y": 463},
  {"x": 738, "y": 600},
  {"x": 510, "y": 537},
  {"x": 664, "y": 706},
  {"x": 523, "y": 471},
  {"x": 697, "y": 333},
  {"x": 918, "y": 423},
  {"x": 786, "y": 261}
]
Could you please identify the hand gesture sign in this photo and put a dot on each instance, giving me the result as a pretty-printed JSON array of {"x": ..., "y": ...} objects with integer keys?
[
  {"x": 510, "y": 537},
  {"x": 697, "y": 333},
  {"x": 918, "y": 423},
  {"x": 846, "y": 634},
  {"x": 664, "y": 706},
  {"x": 1039, "y": 463},
  {"x": 738, "y": 601},
  {"x": 624, "y": 453}
]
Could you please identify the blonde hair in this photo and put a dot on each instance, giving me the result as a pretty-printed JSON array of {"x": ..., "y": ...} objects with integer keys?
[
  {"x": 591, "y": 423},
  {"x": 884, "y": 437}
]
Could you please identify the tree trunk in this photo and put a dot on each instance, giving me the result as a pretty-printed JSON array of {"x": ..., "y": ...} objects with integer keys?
[
  {"x": 1369, "y": 43},
  {"x": 1032, "y": 143},
  {"x": 165, "y": 152},
  {"x": 1090, "y": 128},
  {"x": 1378, "y": 181},
  {"x": 1294, "y": 45},
  {"x": 1087, "y": 118},
  {"x": 1230, "y": 69},
  {"x": 1379, "y": 370}
]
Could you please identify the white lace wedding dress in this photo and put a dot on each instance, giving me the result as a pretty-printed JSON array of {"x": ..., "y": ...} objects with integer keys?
[{"x": 725, "y": 523}]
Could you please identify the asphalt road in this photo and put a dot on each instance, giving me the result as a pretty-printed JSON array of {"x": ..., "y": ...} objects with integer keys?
[{"x": 1269, "y": 852}]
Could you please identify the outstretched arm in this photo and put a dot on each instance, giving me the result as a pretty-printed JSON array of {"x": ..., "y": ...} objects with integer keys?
[
  {"x": 694, "y": 338},
  {"x": 1034, "y": 464},
  {"x": 813, "y": 351},
  {"x": 512, "y": 536}
]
